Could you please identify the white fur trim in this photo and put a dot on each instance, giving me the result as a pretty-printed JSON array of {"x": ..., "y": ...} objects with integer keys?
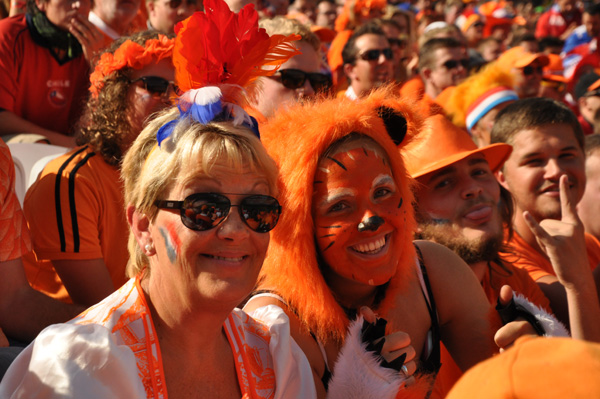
[
  {"x": 552, "y": 327},
  {"x": 358, "y": 373}
]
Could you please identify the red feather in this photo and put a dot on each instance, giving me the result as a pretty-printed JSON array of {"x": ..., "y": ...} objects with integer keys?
[{"x": 217, "y": 47}]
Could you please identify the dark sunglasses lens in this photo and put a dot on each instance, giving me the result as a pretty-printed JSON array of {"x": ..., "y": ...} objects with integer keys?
[
  {"x": 451, "y": 64},
  {"x": 387, "y": 53},
  {"x": 371, "y": 55},
  {"x": 320, "y": 81},
  {"x": 465, "y": 63},
  {"x": 527, "y": 70},
  {"x": 260, "y": 212},
  {"x": 292, "y": 78},
  {"x": 204, "y": 211},
  {"x": 155, "y": 84}
]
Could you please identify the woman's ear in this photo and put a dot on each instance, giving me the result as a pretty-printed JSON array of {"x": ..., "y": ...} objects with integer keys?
[{"x": 140, "y": 226}]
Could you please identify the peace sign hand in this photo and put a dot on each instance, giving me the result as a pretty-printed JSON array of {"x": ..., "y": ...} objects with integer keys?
[{"x": 562, "y": 240}]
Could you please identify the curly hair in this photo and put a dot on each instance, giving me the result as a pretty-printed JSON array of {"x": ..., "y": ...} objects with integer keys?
[{"x": 104, "y": 124}]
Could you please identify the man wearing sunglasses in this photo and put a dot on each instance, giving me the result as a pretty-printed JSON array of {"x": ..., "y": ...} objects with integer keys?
[
  {"x": 164, "y": 14},
  {"x": 527, "y": 69},
  {"x": 443, "y": 62},
  {"x": 367, "y": 60},
  {"x": 300, "y": 77}
]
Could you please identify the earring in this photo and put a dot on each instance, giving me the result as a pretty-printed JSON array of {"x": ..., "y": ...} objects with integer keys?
[{"x": 149, "y": 247}]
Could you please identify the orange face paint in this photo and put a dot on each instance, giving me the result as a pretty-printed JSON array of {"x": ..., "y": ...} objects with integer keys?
[{"x": 357, "y": 211}]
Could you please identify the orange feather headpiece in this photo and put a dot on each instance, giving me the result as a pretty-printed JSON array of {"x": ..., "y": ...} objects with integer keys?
[
  {"x": 296, "y": 138},
  {"x": 219, "y": 47},
  {"x": 218, "y": 57}
]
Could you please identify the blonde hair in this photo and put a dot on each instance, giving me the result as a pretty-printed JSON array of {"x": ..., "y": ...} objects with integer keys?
[
  {"x": 286, "y": 26},
  {"x": 149, "y": 171}
]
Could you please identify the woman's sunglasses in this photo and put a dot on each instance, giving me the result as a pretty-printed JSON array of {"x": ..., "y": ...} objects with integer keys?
[
  {"x": 295, "y": 78},
  {"x": 155, "y": 85},
  {"x": 204, "y": 211}
]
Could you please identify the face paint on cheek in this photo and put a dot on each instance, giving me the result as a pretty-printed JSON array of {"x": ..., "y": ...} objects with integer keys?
[{"x": 172, "y": 241}]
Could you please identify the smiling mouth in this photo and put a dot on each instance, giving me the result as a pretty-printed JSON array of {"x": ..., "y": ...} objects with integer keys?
[
  {"x": 237, "y": 259},
  {"x": 371, "y": 248}
]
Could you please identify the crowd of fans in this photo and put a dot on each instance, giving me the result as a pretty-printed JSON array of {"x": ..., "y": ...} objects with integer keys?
[{"x": 424, "y": 174}]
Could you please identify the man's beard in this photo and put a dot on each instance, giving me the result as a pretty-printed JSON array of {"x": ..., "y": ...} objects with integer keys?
[{"x": 470, "y": 250}]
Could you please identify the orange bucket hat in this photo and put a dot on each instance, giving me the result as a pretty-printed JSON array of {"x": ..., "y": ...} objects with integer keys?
[
  {"x": 535, "y": 368},
  {"x": 441, "y": 143}
]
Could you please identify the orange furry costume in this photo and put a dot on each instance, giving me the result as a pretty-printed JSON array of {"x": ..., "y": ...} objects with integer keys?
[
  {"x": 471, "y": 90},
  {"x": 296, "y": 139}
]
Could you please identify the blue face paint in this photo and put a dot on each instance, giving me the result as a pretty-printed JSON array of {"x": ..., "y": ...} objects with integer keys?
[
  {"x": 440, "y": 221},
  {"x": 171, "y": 252}
]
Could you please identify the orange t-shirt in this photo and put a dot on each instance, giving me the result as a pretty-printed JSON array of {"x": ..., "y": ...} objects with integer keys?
[
  {"x": 522, "y": 284},
  {"x": 14, "y": 236},
  {"x": 75, "y": 212},
  {"x": 524, "y": 256}
]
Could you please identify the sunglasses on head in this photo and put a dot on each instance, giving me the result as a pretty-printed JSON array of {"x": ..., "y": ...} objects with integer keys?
[
  {"x": 176, "y": 3},
  {"x": 529, "y": 70},
  {"x": 204, "y": 211},
  {"x": 373, "y": 55},
  {"x": 452, "y": 64},
  {"x": 155, "y": 85},
  {"x": 294, "y": 79}
]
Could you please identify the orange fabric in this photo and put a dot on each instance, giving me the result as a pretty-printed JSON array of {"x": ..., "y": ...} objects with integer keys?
[
  {"x": 522, "y": 284},
  {"x": 292, "y": 270},
  {"x": 127, "y": 315},
  {"x": 91, "y": 217},
  {"x": 413, "y": 89},
  {"x": 518, "y": 57},
  {"x": 537, "y": 265},
  {"x": 14, "y": 236},
  {"x": 442, "y": 144},
  {"x": 334, "y": 56},
  {"x": 536, "y": 368}
]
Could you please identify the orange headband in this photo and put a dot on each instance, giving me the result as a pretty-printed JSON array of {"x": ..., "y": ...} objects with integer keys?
[{"x": 132, "y": 55}]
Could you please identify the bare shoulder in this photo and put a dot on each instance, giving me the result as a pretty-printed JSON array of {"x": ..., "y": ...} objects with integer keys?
[{"x": 442, "y": 261}]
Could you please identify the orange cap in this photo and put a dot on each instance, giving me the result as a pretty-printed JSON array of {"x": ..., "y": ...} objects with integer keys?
[
  {"x": 470, "y": 21},
  {"x": 517, "y": 57},
  {"x": 555, "y": 70},
  {"x": 594, "y": 85},
  {"x": 535, "y": 368},
  {"x": 442, "y": 143}
]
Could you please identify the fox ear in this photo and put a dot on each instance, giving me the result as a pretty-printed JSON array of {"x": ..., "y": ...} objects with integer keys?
[{"x": 395, "y": 123}]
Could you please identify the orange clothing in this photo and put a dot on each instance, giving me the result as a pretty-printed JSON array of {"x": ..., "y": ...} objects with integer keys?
[
  {"x": 127, "y": 315},
  {"x": 14, "y": 236},
  {"x": 75, "y": 212},
  {"x": 536, "y": 368},
  {"x": 522, "y": 284},
  {"x": 524, "y": 256},
  {"x": 413, "y": 89}
]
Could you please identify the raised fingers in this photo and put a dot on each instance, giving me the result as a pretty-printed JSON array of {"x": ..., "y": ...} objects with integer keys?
[{"x": 567, "y": 201}]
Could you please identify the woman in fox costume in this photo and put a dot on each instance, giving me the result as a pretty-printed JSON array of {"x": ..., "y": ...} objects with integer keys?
[{"x": 344, "y": 242}]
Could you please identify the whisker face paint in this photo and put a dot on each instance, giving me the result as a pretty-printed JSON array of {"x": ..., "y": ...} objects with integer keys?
[{"x": 356, "y": 188}]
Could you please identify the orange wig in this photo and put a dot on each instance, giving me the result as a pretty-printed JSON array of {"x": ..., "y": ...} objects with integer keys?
[{"x": 296, "y": 138}]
